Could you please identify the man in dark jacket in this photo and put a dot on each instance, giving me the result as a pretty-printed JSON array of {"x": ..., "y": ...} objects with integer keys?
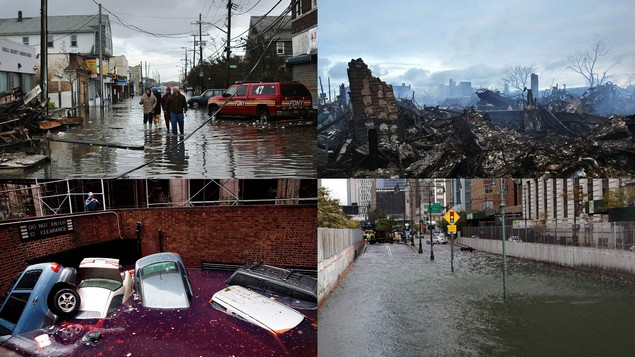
[
  {"x": 177, "y": 105},
  {"x": 157, "y": 107},
  {"x": 164, "y": 106}
]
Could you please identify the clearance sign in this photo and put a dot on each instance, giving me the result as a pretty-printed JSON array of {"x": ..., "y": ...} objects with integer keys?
[{"x": 43, "y": 229}]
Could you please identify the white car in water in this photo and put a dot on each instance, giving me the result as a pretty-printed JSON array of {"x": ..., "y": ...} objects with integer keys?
[
  {"x": 257, "y": 309},
  {"x": 103, "y": 287}
]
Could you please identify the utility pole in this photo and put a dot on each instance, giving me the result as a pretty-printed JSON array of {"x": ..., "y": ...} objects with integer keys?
[
  {"x": 101, "y": 78},
  {"x": 44, "y": 53},
  {"x": 194, "y": 50},
  {"x": 185, "y": 73},
  {"x": 229, "y": 28},
  {"x": 200, "y": 39}
]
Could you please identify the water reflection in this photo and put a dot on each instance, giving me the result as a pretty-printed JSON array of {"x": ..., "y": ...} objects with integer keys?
[{"x": 230, "y": 148}]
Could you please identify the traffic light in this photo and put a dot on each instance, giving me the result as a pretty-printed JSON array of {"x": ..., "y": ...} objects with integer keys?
[{"x": 451, "y": 217}]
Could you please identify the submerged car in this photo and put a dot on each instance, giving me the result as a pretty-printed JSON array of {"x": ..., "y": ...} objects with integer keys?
[
  {"x": 201, "y": 100},
  {"x": 162, "y": 281},
  {"x": 103, "y": 287},
  {"x": 42, "y": 293},
  {"x": 270, "y": 279},
  {"x": 435, "y": 240},
  {"x": 257, "y": 309}
]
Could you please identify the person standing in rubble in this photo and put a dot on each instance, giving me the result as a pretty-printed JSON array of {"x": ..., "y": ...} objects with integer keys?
[
  {"x": 164, "y": 106},
  {"x": 148, "y": 101},
  {"x": 157, "y": 107}
]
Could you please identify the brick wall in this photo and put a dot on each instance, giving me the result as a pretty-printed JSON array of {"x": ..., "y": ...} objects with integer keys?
[
  {"x": 284, "y": 236},
  {"x": 373, "y": 101}
]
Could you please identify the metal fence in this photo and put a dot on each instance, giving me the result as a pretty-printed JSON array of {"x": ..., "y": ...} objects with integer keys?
[{"x": 607, "y": 235}]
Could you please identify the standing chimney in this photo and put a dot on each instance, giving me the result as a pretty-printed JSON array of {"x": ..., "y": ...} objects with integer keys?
[{"x": 20, "y": 16}]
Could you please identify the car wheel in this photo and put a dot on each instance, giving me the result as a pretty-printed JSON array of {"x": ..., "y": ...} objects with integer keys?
[
  {"x": 263, "y": 115},
  {"x": 65, "y": 302},
  {"x": 211, "y": 109}
]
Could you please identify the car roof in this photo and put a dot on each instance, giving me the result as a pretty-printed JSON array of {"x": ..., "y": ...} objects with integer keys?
[
  {"x": 257, "y": 309},
  {"x": 156, "y": 258},
  {"x": 107, "y": 263}
]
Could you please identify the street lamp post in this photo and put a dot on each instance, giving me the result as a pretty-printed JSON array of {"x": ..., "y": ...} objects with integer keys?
[
  {"x": 502, "y": 211},
  {"x": 396, "y": 192},
  {"x": 430, "y": 218},
  {"x": 420, "y": 225}
]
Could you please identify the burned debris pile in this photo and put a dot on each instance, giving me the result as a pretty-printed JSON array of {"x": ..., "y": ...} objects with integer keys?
[{"x": 380, "y": 136}]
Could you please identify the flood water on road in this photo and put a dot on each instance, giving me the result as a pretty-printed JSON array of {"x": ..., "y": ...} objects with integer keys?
[
  {"x": 394, "y": 302},
  {"x": 221, "y": 148}
]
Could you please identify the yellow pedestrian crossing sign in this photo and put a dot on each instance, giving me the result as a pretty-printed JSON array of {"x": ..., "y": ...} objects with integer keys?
[{"x": 451, "y": 217}]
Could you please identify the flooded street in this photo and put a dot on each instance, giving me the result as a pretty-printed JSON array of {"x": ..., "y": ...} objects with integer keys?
[
  {"x": 394, "y": 302},
  {"x": 221, "y": 148}
]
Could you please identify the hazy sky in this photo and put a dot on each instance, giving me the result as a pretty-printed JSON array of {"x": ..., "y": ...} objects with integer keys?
[
  {"x": 337, "y": 189},
  {"x": 425, "y": 43},
  {"x": 171, "y": 20}
]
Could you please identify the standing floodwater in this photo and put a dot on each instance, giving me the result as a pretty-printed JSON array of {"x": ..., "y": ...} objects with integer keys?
[
  {"x": 222, "y": 148},
  {"x": 394, "y": 302}
]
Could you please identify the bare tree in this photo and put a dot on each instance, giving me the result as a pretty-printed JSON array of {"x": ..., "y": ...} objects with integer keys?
[
  {"x": 585, "y": 62},
  {"x": 517, "y": 76}
]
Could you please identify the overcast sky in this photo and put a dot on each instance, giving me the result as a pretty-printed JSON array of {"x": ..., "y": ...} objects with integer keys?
[
  {"x": 337, "y": 189},
  {"x": 172, "y": 20},
  {"x": 425, "y": 43}
]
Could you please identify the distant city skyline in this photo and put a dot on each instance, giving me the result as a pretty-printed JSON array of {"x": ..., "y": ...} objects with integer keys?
[{"x": 426, "y": 43}]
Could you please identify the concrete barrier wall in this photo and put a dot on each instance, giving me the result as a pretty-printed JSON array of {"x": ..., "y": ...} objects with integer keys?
[
  {"x": 614, "y": 262},
  {"x": 337, "y": 249}
]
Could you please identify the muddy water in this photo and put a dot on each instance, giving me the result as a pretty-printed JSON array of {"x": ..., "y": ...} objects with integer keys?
[
  {"x": 406, "y": 305},
  {"x": 221, "y": 148}
]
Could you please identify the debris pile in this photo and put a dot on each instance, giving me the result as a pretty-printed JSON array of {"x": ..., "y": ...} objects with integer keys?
[
  {"x": 21, "y": 116},
  {"x": 382, "y": 137}
]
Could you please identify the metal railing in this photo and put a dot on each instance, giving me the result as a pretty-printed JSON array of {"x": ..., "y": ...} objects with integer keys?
[{"x": 602, "y": 235}]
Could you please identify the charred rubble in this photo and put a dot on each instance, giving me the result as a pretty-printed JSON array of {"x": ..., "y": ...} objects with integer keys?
[{"x": 380, "y": 136}]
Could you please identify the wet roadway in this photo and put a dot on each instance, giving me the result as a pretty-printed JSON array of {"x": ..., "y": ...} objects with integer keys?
[
  {"x": 200, "y": 330},
  {"x": 227, "y": 148},
  {"x": 395, "y": 302}
]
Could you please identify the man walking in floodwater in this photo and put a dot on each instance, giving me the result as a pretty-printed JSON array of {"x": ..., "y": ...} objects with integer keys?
[
  {"x": 148, "y": 101},
  {"x": 164, "y": 106},
  {"x": 177, "y": 105}
]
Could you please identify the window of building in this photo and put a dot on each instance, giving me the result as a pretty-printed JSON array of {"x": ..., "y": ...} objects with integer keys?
[
  {"x": 280, "y": 48},
  {"x": 489, "y": 204},
  {"x": 298, "y": 8},
  {"x": 73, "y": 40},
  {"x": 25, "y": 40},
  {"x": 49, "y": 41},
  {"x": 487, "y": 188}
]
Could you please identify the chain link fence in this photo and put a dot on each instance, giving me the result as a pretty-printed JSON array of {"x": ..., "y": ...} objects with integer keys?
[{"x": 605, "y": 235}]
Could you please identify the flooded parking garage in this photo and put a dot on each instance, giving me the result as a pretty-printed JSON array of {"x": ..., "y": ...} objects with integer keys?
[
  {"x": 120, "y": 145},
  {"x": 394, "y": 302},
  {"x": 200, "y": 330}
]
